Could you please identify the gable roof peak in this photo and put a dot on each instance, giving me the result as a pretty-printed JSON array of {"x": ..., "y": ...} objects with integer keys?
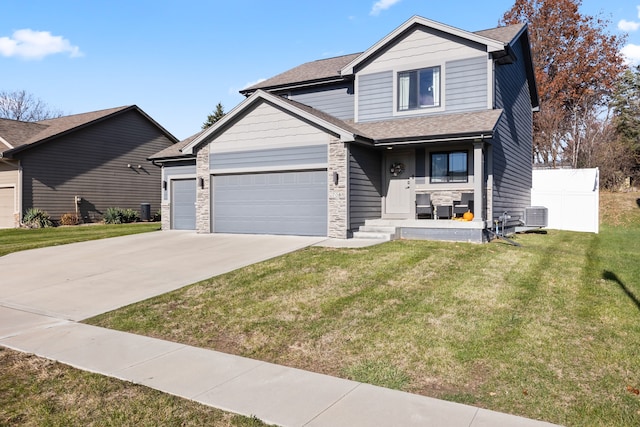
[{"x": 493, "y": 45}]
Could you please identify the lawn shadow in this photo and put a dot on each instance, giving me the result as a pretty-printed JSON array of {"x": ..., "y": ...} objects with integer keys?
[
  {"x": 608, "y": 275},
  {"x": 638, "y": 202}
]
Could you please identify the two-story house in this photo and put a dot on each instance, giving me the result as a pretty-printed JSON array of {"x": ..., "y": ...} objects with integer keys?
[{"x": 428, "y": 123}]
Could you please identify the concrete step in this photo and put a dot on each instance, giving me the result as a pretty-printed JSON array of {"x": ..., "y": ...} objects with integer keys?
[
  {"x": 376, "y": 236},
  {"x": 375, "y": 231},
  {"x": 378, "y": 229}
]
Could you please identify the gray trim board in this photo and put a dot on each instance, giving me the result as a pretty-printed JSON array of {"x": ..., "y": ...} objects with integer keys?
[{"x": 285, "y": 158}]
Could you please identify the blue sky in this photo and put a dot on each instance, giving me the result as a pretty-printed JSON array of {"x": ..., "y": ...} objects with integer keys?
[{"x": 177, "y": 59}]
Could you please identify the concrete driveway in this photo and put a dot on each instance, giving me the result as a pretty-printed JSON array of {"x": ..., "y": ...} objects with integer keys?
[{"x": 81, "y": 280}]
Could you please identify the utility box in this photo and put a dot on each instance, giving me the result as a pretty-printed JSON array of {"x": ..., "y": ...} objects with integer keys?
[
  {"x": 536, "y": 216},
  {"x": 145, "y": 212}
]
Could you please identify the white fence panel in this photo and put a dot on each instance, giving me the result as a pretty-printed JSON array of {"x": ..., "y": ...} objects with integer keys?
[{"x": 571, "y": 196}]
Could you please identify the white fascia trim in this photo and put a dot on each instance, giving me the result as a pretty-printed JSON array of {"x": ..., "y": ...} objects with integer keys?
[
  {"x": 5, "y": 142},
  {"x": 274, "y": 99},
  {"x": 492, "y": 45},
  {"x": 302, "y": 167}
]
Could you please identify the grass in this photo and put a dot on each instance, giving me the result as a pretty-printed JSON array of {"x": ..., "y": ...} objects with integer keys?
[
  {"x": 40, "y": 392},
  {"x": 549, "y": 330},
  {"x": 20, "y": 239}
]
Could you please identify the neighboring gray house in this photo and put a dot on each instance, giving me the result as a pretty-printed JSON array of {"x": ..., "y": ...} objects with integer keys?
[
  {"x": 87, "y": 162},
  {"x": 358, "y": 142}
]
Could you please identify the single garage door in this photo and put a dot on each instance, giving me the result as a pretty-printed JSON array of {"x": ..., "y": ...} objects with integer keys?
[
  {"x": 7, "y": 207},
  {"x": 183, "y": 204},
  {"x": 292, "y": 203}
]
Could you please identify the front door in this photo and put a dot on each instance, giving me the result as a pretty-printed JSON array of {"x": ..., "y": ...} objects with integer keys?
[{"x": 400, "y": 173}]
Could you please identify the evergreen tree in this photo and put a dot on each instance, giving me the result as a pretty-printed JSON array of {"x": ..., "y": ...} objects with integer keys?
[
  {"x": 626, "y": 115},
  {"x": 215, "y": 116}
]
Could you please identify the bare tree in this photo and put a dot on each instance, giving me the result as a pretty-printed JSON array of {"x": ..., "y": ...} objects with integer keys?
[
  {"x": 577, "y": 64},
  {"x": 21, "y": 105}
]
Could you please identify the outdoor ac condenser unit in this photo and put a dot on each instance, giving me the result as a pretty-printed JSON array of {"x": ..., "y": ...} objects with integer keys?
[{"x": 535, "y": 216}]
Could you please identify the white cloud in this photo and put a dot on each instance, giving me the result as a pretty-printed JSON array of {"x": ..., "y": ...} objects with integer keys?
[
  {"x": 381, "y": 5},
  {"x": 631, "y": 53},
  {"x": 29, "y": 44},
  {"x": 628, "y": 26}
]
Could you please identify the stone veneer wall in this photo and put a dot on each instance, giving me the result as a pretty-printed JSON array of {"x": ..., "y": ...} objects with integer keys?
[
  {"x": 203, "y": 202},
  {"x": 165, "y": 215},
  {"x": 338, "y": 213}
]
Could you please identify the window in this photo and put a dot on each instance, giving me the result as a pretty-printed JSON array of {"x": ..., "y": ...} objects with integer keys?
[
  {"x": 419, "y": 89},
  {"x": 449, "y": 167}
]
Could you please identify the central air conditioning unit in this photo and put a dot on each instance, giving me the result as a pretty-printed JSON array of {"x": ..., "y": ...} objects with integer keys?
[{"x": 536, "y": 216}]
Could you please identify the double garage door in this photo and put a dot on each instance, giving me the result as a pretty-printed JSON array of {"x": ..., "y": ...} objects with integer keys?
[{"x": 292, "y": 202}]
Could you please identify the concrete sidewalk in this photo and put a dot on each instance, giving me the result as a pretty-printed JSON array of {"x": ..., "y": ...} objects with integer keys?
[
  {"x": 39, "y": 306},
  {"x": 275, "y": 394}
]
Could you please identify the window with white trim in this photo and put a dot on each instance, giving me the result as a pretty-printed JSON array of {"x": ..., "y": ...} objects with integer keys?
[
  {"x": 419, "y": 89},
  {"x": 450, "y": 166}
]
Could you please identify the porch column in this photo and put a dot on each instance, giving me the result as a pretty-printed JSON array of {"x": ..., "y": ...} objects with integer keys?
[
  {"x": 478, "y": 180},
  {"x": 337, "y": 180},
  {"x": 203, "y": 177}
]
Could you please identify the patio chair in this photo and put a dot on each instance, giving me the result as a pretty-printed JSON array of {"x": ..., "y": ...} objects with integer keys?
[
  {"x": 465, "y": 204},
  {"x": 423, "y": 205}
]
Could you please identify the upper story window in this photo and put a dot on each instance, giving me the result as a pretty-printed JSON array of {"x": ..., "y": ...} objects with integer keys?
[
  {"x": 451, "y": 166},
  {"x": 419, "y": 89}
]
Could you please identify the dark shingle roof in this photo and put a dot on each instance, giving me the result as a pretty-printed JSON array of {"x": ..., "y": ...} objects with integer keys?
[
  {"x": 426, "y": 127},
  {"x": 16, "y": 133},
  {"x": 430, "y": 127},
  {"x": 308, "y": 72},
  {"x": 327, "y": 69},
  {"x": 502, "y": 34},
  {"x": 175, "y": 151},
  {"x": 20, "y": 135}
]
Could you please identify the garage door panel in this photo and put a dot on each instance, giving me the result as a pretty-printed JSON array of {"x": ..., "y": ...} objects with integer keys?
[
  {"x": 183, "y": 204},
  {"x": 271, "y": 203}
]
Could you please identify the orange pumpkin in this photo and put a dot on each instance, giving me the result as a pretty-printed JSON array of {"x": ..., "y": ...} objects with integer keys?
[{"x": 467, "y": 216}]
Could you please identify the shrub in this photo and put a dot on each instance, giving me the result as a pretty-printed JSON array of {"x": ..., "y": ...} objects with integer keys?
[
  {"x": 69, "y": 219},
  {"x": 120, "y": 216},
  {"x": 36, "y": 218}
]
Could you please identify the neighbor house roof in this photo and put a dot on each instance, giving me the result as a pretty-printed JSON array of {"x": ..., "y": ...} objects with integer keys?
[{"x": 20, "y": 136}]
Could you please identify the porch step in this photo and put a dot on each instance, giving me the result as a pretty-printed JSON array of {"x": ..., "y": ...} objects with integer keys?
[{"x": 378, "y": 232}]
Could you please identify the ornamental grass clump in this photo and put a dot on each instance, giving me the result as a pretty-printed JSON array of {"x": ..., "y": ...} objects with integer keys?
[
  {"x": 120, "y": 216},
  {"x": 36, "y": 218}
]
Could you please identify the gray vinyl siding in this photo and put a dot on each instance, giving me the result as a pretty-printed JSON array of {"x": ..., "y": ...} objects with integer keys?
[
  {"x": 336, "y": 100},
  {"x": 466, "y": 84},
  {"x": 365, "y": 185},
  {"x": 92, "y": 163},
  {"x": 512, "y": 146},
  {"x": 375, "y": 96},
  {"x": 171, "y": 170},
  {"x": 285, "y": 158}
]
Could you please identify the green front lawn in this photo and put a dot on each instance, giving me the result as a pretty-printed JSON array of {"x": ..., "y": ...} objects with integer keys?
[
  {"x": 20, "y": 239},
  {"x": 549, "y": 330},
  {"x": 39, "y": 392}
]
